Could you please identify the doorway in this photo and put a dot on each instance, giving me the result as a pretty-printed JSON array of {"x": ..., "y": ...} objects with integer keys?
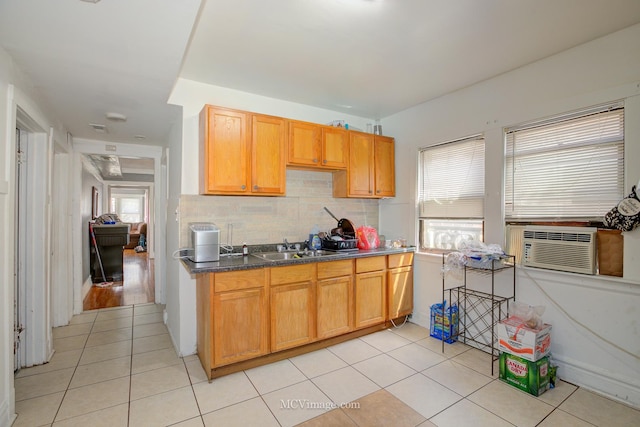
[
  {"x": 32, "y": 269},
  {"x": 136, "y": 287},
  {"x": 129, "y": 280}
]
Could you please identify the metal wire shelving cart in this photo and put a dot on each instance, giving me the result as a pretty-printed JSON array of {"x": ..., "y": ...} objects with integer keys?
[{"x": 479, "y": 311}]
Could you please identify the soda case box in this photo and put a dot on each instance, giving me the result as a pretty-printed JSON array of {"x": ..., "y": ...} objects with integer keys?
[
  {"x": 532, "y": 377},
  {"x": 515, "y": 337},
  {"x": 444, "y": 322}
]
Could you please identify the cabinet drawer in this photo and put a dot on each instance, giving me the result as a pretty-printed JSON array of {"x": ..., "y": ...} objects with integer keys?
[
  {"x": 400, "y": 260},
  {"x": 292, "y": 274},
  {"x": 335, "y": 269},
  {"x": 236, "y": 280},
  {"x": 371, "y": 264}
]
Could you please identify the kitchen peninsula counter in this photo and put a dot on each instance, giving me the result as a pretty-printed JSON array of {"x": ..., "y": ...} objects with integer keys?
[
  {"x": 252, "y": 311},
  {"x": 236, "y": 263}
]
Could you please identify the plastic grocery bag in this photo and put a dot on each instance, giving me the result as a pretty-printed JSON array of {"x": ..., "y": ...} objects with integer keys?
[
  {"x": 367, "y": 237},
  {"x": 531, "y": 315}
]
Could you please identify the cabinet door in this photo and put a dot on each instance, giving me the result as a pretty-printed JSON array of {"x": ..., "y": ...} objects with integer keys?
[
  {"x": 224, "y": 151},
  {"x": 370, "y": 299},
  {"x": 400, "y": 286},
  {"x": 361, "y": 163},
  {"x": 240, "y": 325},
  {"x": 335, "y": 143},
  {"x": 268, "y": 140},
  {"x": 303, "y": 144},
  {"x": 335, "y": 302},
  {"x": 384, "y": 159},
  {"x": 292, "y": 315}
]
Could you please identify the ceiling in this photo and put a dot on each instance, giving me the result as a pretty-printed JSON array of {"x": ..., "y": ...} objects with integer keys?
[{"x": 369, "y": 58}]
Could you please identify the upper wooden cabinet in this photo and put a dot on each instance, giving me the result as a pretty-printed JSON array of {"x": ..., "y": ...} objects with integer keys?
[
  {"x": 268, "y": 142},
  {"x": 384, "y": 166},
  {"x": 241, "y": 153},
  {"x": 224, "y": 151},
  {"x": 371, "y": 170},
  {"x": 316, "y": 146}
]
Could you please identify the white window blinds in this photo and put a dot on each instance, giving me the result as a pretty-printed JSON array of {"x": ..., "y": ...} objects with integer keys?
[
  {"x": 452, "y": 180},
  {"x": 569, "y": 167}
]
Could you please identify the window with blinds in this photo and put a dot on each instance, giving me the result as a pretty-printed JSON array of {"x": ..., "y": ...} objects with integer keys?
[
  {"x": 451, "y": 193},
  {"x": 565, "y": 168}
]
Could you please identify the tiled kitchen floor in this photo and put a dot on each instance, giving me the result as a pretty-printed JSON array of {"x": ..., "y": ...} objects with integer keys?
[{"x": 117, "y": 367}]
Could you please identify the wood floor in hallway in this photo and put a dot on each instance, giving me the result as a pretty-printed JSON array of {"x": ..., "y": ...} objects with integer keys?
[{"x": 137, "y": 287}]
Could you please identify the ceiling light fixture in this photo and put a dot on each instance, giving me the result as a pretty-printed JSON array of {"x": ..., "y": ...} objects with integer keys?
[
  {"x": 116, "y": 117},
  {"x": 90, "y": 1},
  {"x": 140, "y": 137},
  {"x": 98, "y": 127}
]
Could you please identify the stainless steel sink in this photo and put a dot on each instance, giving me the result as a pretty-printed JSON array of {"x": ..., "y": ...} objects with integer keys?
[{"x": 281, "y": 256}]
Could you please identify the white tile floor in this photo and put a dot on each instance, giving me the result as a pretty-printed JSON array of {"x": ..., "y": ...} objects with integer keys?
[{"x": 117, "y": 367}]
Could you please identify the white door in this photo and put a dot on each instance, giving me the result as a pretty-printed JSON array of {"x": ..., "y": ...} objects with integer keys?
[{"x": 20, "y": 251}]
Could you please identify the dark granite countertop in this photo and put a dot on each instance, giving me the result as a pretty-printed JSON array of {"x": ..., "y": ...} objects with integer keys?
[{"x": 239, "y": 262}]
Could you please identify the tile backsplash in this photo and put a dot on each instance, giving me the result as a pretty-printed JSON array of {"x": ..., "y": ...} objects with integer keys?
[{"x": 265, "y": 220}]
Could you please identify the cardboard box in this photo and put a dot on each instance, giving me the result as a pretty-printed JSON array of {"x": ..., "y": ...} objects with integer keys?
[
  {"x": 532, "y": 377},
  {"x": 444, "y": 323},
  {"x": 516, "y": 338},
  {"x": 610, "y": 252}
]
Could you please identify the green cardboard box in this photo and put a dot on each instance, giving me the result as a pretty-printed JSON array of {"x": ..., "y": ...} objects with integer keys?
[{"x": 532, "y": 377}]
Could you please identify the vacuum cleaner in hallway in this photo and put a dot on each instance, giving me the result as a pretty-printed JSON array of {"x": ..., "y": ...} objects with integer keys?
[{"x": 104, "y": 282}]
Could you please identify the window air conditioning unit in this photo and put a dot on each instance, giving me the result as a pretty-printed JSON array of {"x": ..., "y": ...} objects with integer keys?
[{"x": 570, "y": 249}]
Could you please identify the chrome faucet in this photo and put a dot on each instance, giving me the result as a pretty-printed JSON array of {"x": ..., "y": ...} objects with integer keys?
[{"x": 287, "y": 245}]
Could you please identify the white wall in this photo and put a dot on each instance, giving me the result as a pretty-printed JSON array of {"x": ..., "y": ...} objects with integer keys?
[
  {"x": 174, "y": 269},
  {"x": 595, "y": 337},
  {"x": 192, "y": 96}
]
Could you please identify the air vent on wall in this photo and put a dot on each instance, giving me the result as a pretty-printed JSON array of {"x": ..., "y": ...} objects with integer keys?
[{"x": 571, "y": 249}]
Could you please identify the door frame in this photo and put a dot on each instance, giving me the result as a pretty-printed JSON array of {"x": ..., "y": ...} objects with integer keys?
[
  {"x": 34, "y": 283},
  {"x": 157, "y": 222}
]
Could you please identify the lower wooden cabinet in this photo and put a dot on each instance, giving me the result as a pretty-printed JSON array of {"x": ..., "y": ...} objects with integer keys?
[
  {"x": 245, "y": 314},
  {"x": 334, "y": 294},
  {"x": 293, "y": 303},
  {"x": 240, "y": 323},
  {"x": 399, "y": 285},
  {"x": 370, "y": 291},
  {"x": 232, "y": 312}
]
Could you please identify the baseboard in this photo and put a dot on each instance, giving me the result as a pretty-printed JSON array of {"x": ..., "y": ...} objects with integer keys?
[
  {"x": 6, "y": 417},
  {"x": 421, "y": 319},
  {"x": 605, "y": 383},
  {"x": 599, "y": 381},
  {"x": 86, "y": 287}
]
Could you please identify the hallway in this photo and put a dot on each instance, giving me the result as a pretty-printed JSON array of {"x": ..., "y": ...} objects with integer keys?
[
  {"x": 138, "y": 286},
  {"x": 117, "y": 367}
]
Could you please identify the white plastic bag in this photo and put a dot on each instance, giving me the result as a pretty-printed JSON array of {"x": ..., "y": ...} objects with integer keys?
[{"x": 531, "y": 315}]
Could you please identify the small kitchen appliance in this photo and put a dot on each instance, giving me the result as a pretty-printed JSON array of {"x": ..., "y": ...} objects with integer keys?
[{"x": 205, "y": 238}]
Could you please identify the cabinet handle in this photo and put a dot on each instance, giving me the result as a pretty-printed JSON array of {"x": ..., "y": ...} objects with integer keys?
[
  {"x": 378, "y": 191},
  {"x": 324, "y": 161},
  {"x": 315, "y": 160},
  {"x": 255, "y": 187},
  {"x": 244, "y": 187}
]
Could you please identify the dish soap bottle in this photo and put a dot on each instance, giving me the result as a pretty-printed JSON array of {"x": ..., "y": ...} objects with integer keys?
[
  {"x": 245, "y": 249},
  {"x": 314, "y": 239}
]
